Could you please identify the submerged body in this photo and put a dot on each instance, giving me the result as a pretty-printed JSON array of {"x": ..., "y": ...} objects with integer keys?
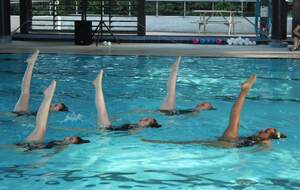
[{"x": 29, "y": 146}]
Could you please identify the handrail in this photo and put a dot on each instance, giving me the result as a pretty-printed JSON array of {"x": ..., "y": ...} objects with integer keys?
[{"x": 15, "y": 30}]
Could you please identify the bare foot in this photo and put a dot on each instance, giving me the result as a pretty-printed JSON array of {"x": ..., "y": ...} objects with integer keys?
[
  {"x": 246, "y": 86},
  {"x": 99, "y": 77},
  {"x": 49, "y": 91},
  {"x": 33, "y": 58}
]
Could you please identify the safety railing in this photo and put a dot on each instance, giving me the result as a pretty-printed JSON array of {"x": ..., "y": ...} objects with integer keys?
[{"x": 59, "y": 15}]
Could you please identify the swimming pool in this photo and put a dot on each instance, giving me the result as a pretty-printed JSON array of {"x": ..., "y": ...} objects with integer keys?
[{"x": 118, "y": 160}]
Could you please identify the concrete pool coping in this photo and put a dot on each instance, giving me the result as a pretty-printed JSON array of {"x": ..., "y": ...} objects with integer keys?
[{"x": 155, "y": 49}]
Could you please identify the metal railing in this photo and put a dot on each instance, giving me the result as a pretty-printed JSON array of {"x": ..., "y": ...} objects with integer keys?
[{"x": 59, "y": 16}]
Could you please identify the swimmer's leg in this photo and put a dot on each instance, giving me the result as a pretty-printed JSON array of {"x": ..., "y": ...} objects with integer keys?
[
  {"x": 296, "y": 38},
  {"x": 42, "y": 115},
  {"x": 169, "y": 100},
  {"x": 295, "y": 43},
  {"x": 232, "y": 130},
  {"x": 23, "y": 102},
  {"x": 103, "y": 119}
]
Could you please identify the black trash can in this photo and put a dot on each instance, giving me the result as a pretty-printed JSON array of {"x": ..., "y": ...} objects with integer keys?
[{"x": 83, "y": 32}]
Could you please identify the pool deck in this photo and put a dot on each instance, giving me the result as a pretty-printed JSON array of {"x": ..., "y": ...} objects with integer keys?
[{"x": 154, "y": 49}]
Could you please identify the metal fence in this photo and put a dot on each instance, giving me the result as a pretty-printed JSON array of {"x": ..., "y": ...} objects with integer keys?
[{"x": 59, "y": 15}]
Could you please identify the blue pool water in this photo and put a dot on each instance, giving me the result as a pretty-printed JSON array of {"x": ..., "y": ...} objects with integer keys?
[{"x": 134, "y": 83}]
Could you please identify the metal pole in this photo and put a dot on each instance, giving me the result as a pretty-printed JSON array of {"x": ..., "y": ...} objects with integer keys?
[
  {"x": 129, "y": 8},
  {"x": 83, "y": 9},
  {"x": 279, "y": 19},
  {"x": 109, "y": 14},
  {"x": 25, "y": 16},
  {"x": 156, "y": 8},
  {"x": 76, "y": 7},
  {"x": 184, "y": 8},
  {"x": 141, "y": 18},
  {"x": 242, "y": 8},
  {"x": 257, "y": 19},
  {"x": 102, "y": 8},
  {"x": 5, "y": 20}
]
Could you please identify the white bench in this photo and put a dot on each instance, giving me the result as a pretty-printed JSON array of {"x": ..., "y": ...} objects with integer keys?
[
  {"x": 231, "y": 26},
  {"x": 205, "y": 19}
]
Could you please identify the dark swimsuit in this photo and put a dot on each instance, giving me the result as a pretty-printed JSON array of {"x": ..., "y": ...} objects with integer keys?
[
  {"x": 247, "y": 141},
  {"x": 241, "y": 141},
  {"x": 178, "y": 112},
  {"x": 124, "y": 127},
  {"x": 29, "y": 146},
  {"x": 25, "y": 113}
]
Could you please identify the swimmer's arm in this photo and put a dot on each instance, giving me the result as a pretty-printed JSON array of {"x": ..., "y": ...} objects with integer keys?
[
  {"x": 135, "y": 130},
  {"x": 211, "y": 143},
  {"x": 189, "y": 111},
  {"x": 9, "y": 146},
  {"x": 267, "y": 144},
  {"x": 202, "y": 142},
  {"x": 58, "y": 149},
  {"x": 137, "y": 111},
  {"x": 8, "y": 113}
]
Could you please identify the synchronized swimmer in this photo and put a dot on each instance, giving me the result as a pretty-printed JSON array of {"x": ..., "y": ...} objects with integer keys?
[
  {"x": 22, "y": 106},
  {"x": 103, "y": 119},
  {"x": 229, "y": 139},
  {"x": 168, "y": 105},
  {"x": 36, "y": 138}
]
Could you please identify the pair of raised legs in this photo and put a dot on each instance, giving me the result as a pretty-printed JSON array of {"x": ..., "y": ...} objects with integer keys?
[
  {"x": 103, "y": 118},
  {"x": 38, "y": 134},
  {"x": 22, "y": 105},
  {"x": 234, "y": 122},
  {"x": 168, "y": 104}
]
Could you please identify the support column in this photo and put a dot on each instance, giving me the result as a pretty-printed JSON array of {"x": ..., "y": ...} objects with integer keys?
[
  {"x": 25, "y": 16},
  {"x": 5, "y": 21},
  {"x": 141, "y": 18},
  {"x": 296, "y": 13},
  {"x": 279, "y": 19}
]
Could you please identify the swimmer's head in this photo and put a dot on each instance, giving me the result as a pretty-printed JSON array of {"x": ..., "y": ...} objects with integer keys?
[
  {"x": 205, "y": 106},
  {"x": 148, "y": 122},
  {"x": 75, "y": 140},
  {"x": 270, "y": 133},
  {"x": 58, "y": 107}
]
